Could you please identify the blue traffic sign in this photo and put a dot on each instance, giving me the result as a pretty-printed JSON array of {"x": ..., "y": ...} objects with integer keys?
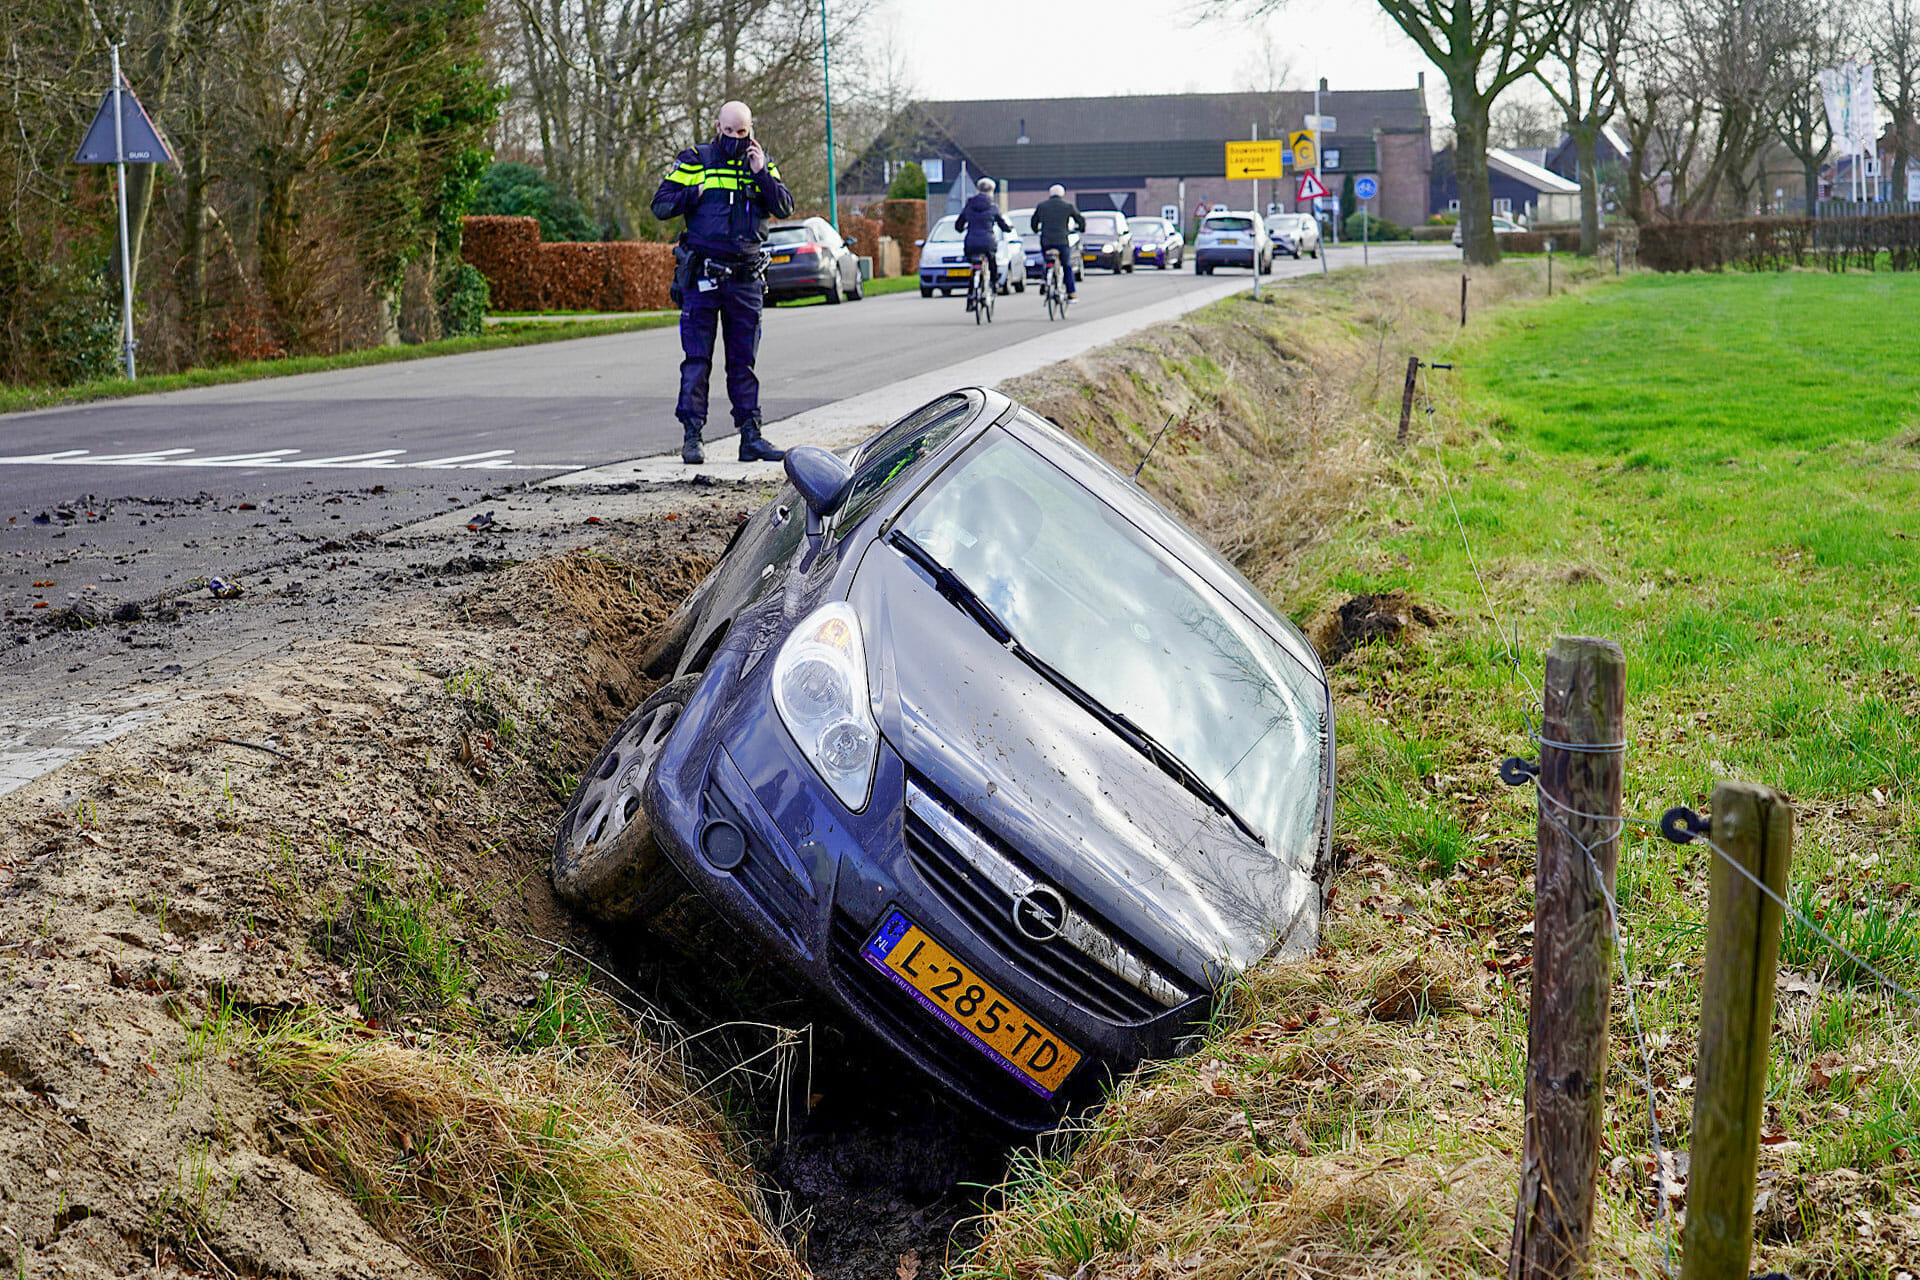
[{"x": 1366, "y": 188}]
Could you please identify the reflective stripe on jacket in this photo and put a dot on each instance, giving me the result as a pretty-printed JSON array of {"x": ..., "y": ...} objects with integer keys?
[{"x": 726, "y": 205}]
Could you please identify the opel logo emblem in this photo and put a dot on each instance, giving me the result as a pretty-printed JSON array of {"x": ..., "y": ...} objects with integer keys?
[{"x": 1040, "y": 913}]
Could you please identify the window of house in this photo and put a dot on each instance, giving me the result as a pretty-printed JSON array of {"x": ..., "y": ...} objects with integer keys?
[
  {"x": 1332, "y": 157},
  {"x": 1503, "y": 207},
  {"x": 1453, "y": 206}
]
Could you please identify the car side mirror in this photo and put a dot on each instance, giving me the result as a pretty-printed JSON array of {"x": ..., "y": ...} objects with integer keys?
[
  {"x": 918, "y": 243},
  {"x": 822, "y": 478}
]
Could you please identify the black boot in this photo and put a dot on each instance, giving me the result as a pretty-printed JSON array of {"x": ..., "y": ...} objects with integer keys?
[
  {"x": 690, "y": 451},
  {"x": 754, "y": 448}
]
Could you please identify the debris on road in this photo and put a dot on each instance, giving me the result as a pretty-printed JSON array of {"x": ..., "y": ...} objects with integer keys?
[
  {"x": 480, "y": 522},
  {"x": 224, "y": 590}
]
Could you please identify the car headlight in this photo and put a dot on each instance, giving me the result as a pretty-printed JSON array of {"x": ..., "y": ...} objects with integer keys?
[{"x": 820, "y": 691}]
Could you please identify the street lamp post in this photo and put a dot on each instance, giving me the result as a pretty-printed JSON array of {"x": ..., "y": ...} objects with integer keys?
[{"x": 826, "y": 80}]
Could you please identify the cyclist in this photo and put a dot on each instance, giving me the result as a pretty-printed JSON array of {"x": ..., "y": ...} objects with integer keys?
[
  {"x": 1054, "y": 221},
  {"x": 980, "y": 219}
]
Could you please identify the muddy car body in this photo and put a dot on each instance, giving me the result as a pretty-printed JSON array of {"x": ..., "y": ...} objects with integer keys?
[{"x": 984, "y": 745}]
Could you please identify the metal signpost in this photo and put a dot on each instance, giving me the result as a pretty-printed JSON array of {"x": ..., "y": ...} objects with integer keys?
[
  {"x": 1312, "y": 189},
  {"x": 1366, "y": 188},
  {"x": 1255, "y": 160},
  {"x": 122, "y": 133}
]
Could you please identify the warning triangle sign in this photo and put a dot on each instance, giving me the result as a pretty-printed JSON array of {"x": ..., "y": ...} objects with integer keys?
[
  {"x": 1311, "y": 188},
  {"x": 142, "y": 142}
]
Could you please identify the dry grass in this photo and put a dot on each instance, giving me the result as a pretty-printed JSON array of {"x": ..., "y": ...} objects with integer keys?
[
  {"x": 551, "y": 1165},
  {"x": 1353, "y": 1114}
]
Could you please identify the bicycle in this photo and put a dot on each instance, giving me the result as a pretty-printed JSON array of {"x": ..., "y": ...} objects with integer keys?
[
  {"x": 1053, "y": 287},
  {"x": 980, "y": 291}
]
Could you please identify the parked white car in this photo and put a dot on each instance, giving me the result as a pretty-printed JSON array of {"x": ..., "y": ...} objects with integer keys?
[
  {"x": 1232, "y": 239},
  {"x": 1501, "y": 225},
  {"x": 944, "y": 266}
]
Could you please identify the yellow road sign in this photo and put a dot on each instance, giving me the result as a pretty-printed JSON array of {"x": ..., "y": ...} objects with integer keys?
[
  {"x": 1301, "y": 144},
  {"x": 1255, "y": 159}
]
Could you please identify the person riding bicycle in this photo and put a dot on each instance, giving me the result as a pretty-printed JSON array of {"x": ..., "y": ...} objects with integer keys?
[
  {"x": 1055, "y": 220},
  {"x": 979, "y": 219}
]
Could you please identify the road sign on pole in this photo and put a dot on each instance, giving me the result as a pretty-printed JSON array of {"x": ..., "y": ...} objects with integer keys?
[
  {"x": 1311, "y": 188},
  {"x": 1366, "y": 188},
  {"x": 1305, "y": 154},
  {"x": 1254, "y": 160},
  {"x": 1322, "y": 124}
]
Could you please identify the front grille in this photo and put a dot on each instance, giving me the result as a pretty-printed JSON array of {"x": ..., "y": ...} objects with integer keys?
[
  {"x": 894, "y": 1016},
  {"x": 988, "y": 912}
]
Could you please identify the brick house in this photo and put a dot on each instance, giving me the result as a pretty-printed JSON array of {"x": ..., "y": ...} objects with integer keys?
[{"x": 1142, "y": 153}]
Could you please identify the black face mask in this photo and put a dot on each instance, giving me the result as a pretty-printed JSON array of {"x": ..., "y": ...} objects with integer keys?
[{"x": 733, "y": 148}]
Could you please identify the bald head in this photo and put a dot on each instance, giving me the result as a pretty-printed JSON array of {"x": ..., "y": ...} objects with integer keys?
[{"x": 736, "y": 120}]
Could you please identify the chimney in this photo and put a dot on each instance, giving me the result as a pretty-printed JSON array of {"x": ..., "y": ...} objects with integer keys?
[
  {"x": 1023, "y": 139},
  {"x": 1420, "y": 81},
  {"x": 1323, "y": 84}
]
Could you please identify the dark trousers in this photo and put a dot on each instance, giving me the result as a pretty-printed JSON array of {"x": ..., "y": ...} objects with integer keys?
[
  {"x": 732, "y": 308},
  {"x": 1066, "y": 262},
  {"x": 992, "y": 255}
]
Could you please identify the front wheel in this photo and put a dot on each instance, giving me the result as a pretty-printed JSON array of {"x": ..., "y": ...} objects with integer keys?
[
  {"x": 606, "y": 862},
  {"x": 926, "y": 291},
  {"x": 859, "y": 289},
  {"x": 834, "y": 295}
]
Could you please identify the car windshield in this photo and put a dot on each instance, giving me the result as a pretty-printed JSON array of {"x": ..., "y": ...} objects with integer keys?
[
  {"x": 1229, "y": 224},
  {"x": 1105, "y": 224},
  {"x": 1147, "y": 228},
  {"x": 790, "y": 235},
  {"x": 1092, "y": 596},
  {"x": 943, "y": 230}
]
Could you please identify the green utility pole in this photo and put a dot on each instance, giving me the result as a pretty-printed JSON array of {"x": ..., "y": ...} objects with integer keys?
[{"x": 826, "y": 80}]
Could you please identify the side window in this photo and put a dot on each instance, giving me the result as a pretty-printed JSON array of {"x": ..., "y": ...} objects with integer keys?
[{"x": 893, "y": 454}]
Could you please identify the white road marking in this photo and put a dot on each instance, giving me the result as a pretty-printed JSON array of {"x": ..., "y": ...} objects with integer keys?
[{"x": 379, "y": 459}]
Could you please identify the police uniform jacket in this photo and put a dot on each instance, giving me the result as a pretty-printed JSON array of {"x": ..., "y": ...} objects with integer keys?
[{"x": 725, "y": 203}]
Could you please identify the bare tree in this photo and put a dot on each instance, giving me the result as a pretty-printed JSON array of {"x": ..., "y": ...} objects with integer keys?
[
  {"x": 1481, "y": 47},
  {"x": 1522, "y": 122},
  {"x": 1708, "y": 80},
  {"x": 1584, "y": 81},
  {"x": 1894, "y": 41},
  {"x": 1800, "y": 121}
]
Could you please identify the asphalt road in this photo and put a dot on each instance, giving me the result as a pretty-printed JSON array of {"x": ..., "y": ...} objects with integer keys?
[{"x": 130, "y": 499}]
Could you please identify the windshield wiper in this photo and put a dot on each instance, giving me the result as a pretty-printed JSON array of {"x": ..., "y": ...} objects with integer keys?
[
  {"x": 968, "y": 601},
  {"x": 949, "y": 584}
]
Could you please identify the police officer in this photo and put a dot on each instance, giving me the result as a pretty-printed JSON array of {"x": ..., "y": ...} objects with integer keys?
[{"x": 726, "y": 189}]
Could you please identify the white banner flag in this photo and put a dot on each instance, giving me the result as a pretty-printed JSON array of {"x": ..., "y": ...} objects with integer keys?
[{"x": 1848, "y": 93}]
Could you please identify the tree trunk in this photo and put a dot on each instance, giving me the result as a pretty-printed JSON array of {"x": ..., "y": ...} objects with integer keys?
[
  {"x": 1812, "y": 170},
  {"x": 1586, "y": 145},
  {"x": 1478, "y": 245}
]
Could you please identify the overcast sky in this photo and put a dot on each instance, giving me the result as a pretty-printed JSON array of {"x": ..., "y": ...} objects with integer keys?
[{"x": 1148, "y": 46}]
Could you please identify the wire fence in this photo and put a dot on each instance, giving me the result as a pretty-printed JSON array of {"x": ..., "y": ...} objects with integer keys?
[{"x": 1678, "y": 825}]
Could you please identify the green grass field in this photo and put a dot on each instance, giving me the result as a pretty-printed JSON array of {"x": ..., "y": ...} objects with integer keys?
[{"x": 1722, "y": 474}]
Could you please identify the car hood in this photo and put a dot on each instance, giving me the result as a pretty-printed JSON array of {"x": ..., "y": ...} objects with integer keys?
[{"x": 1030, "y": 767}]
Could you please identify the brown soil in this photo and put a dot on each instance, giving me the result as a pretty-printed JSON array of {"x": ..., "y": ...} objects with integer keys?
[{"x": 354, "y": 835}]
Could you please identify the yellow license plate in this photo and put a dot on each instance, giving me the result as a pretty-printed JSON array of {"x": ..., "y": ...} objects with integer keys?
[
  {"x": 783, "y": 257},
  {"x": 956, "y": 995},
  {"x": 1229, "y": 240},
  {"x": 960, "y": 271}
]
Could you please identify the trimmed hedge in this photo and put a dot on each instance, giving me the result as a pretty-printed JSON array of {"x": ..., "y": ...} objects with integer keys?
[
  {"x": 1774, "y": 244},
  {"x": 904, "y": 220},
  {"x": 524, "y": 274}
]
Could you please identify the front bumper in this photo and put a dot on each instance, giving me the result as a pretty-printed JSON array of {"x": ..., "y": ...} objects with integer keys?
[
  {"x": 1109, "y": 258},
  {"x": 816, "y": 881}
]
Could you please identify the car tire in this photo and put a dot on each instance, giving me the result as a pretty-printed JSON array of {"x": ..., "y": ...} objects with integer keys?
[
  {"x": 606, "y": 863},
  {"x": 946, "y": 293},
  {"x": 834, "y": 294},
  {"x": 859, "y": 288}
]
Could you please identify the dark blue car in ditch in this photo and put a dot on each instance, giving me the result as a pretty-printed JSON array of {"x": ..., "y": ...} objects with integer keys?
[{"x": 979, "y": 741}]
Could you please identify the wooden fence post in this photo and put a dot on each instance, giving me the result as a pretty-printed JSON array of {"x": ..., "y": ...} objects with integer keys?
[
  {"x": 1463, "y": 299},
  {"x": 1753, "y": 825},
  {"x": 1406, "y": 398},
  {"x": 1585, "y": 709}
]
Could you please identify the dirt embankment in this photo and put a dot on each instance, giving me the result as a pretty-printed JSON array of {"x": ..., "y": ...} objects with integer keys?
[
  {"x": 270, "y": 997},
  {"x": 283, "y": 988}
]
